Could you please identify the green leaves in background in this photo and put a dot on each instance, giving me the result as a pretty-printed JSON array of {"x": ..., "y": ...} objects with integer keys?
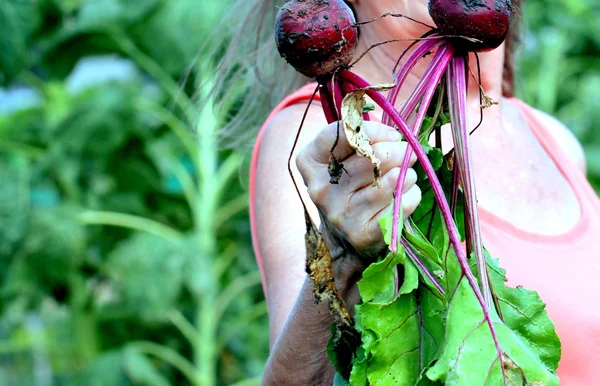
[
  {"x": 14, "y": 205},
  {"x": 147, "y": 274},
  {"x": 19, "y": 20},
  {"x": 87, "y": 122},
  {"x": 122, "y": 237}
]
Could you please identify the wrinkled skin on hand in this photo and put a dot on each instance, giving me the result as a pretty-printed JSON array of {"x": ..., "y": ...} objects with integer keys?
[{"x": 350, "y": 210}]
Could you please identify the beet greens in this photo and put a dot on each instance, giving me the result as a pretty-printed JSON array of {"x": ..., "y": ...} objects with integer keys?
[{"x": 450, "y": 319}]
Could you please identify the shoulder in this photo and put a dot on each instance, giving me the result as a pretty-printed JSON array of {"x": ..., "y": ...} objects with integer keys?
[
  {"x": 564, "y": 137},
  {"x": 279, "y": 132}
]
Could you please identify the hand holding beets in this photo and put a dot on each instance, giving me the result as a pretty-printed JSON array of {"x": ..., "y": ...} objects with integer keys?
[{"x": 352, "y": 208}]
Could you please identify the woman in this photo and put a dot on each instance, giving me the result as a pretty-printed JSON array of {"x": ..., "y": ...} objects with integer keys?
[{"x": 539, "y": 214}]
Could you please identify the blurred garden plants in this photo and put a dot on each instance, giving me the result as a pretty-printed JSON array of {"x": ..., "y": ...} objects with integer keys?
[
  {"x": 124, "y": 238},
  {"x": 124, "y": 243}
]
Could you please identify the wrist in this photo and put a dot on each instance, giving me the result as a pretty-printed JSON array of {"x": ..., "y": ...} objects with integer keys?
[{"x": 347, "y": 269}]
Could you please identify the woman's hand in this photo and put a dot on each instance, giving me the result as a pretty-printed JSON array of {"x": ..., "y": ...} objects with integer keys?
[{"x": 352, "y": 208}]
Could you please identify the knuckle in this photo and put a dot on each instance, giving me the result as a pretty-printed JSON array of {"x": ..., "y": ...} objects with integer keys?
[
  {"x": 418, "y": 193},
  {"x": 383, "y": 150},
  {"x": 392, "y": 176},
  {"x": 336, "y": 219},
  {"x": 413, "y": 158},
  {"x": 301, "y": 162},
  {"x": 330, "y": 132},
  {"x": 413, "y": 199},
  {"x": 318, "y": 194},
  {"x": 392, "y": 134},
  {"x": 385, "y": 132},
  {"x": 411, "y": 177}
]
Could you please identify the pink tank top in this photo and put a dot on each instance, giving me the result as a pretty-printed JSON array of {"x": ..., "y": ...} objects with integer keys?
[{"x": 564, "y": 269}]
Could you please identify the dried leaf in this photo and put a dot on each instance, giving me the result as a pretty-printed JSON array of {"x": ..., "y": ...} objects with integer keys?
[
  {"x": 352, "y": 112},
  {"x": 320, "y": 269}
]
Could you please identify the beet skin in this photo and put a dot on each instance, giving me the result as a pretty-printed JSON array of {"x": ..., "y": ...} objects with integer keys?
[
  {"x": 316, "y": 36},
  {"x": 484, "y": 20}
]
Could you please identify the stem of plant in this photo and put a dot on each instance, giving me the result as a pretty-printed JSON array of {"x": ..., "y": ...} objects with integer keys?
[
  {"x": 440, "y": 197},
  {"x": 457, "y": 100},
  {"x": 205, "y": 355},
  {"x": 415, "y": 259},
  {"x": 428, "y": 84},
  {"x": 421, "y": 50}
]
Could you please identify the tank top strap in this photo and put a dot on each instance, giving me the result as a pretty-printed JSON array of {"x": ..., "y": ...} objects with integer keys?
[{"x": 303, "y": 94}]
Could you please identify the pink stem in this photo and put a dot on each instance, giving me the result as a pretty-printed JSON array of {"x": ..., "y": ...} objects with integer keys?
[
  {"x": 429, "y": 84},
  {"x": 438, "y": 193},
  {"x": 415, "y": 259},
  {"x": 454, "y": 188},
  {"x": 422, "y": 48},
  {"x": 457, "y": 92},
  {"x": 327, "y": 104},
  {"x": 442, "y": 56}
]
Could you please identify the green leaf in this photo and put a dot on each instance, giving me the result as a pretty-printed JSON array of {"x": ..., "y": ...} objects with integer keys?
[
  {"x": 435, "y": 155},
  {"x": 358, "y": 376},
  {"x": 429, "y": 221},
  {"x": 395, "y": 326},
  {"x": 469, "y": 356},
  {"x": 420, "y": 243},
  {"x": 428, "y": 256},
  {"x": 148, "y": 273},
  {"x": 378, "y": 284},
  {"x": 400, "y": 336},
  {"x": 55, "y": 246},
  {"x": 14, "y": 203},
  {"x": 411, "y": 278},
  {"x": 400, "y": 339},
  {"x": 140, "y": 370},
  {"x": 18, "y": 21},
  {"x": 105, "y": 370}
]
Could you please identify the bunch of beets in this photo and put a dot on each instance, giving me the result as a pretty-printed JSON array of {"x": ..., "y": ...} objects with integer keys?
[{"x": 432, "y": 311}]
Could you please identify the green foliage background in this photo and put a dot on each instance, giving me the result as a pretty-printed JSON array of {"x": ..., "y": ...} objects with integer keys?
[{"x": 124, "y": 238}]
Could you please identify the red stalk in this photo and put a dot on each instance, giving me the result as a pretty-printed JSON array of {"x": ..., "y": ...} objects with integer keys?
[{"x": 457, "y": 100}]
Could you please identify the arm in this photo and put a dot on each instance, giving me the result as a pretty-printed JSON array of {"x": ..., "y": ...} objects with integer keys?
[{"x": 298, "y": 329}]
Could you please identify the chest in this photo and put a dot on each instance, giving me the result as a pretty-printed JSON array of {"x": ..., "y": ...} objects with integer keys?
[{"x": 518, "y": 181}]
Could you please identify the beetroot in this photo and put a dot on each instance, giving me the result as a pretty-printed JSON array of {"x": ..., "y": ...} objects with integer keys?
[
  {"x": 484, "y": 20},
  {"x": 316, "y": 36}
]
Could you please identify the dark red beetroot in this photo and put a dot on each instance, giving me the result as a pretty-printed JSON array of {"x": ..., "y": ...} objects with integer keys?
[
  {"x": 316, "y": 36},
  {"x": 484, "y": 20}
]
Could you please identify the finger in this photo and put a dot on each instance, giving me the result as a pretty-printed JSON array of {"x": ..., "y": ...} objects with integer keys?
[
  {"x": 320, "y": 147},
  {"x": 410, "y": 200},
  {"x": 410, "y": 180},
  {"x": 370, "y": 198},
  {"x": 371, "y": 201},
  {"x": 360, "y": 170}
]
